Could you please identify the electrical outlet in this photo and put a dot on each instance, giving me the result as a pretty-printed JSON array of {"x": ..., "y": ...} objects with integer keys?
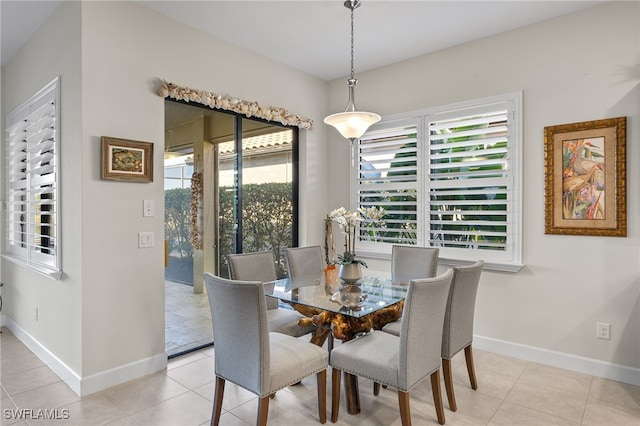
[
  {"x": 35, "y": 313},
  {"x": 602, "y": 330}
]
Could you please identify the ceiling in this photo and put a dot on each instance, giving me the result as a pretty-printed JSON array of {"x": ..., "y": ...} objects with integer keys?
[{"x": 314, "y": 36}]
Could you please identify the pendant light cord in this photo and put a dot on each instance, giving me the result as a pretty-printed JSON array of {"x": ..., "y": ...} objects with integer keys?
[{"x": 352, "y": 9}]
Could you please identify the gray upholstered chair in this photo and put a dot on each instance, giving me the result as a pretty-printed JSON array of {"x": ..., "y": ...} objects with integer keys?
[
  {"x": 304, "y": 265},
  {"x": 400, "y": 361},
  {"x": 410, "y": 263},
  {"x": 413, "y": 262},
  {"x": 260, "y": 266},
  {"x": 250, "y": 356},
  {"x": 458, "y": 324}
]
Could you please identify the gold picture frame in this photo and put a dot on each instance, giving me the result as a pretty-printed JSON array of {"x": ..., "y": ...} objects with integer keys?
[
  {"x": 126, "y": 160},
  {"x": 586, "y": 178}
]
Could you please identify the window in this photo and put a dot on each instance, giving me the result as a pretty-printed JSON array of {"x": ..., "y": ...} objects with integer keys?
[
  {"x": 448, "y": 177},
  {"x": 32, "y": 206}
]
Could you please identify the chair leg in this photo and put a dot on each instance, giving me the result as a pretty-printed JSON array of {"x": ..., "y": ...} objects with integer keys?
[
  {"x": 335, "y": 394},
  {"x": 468, "y": 356},
  {"x": 321, "y": 379},
  {"x": 376, "y": 388},
  {"x": 263, "y": 410},
  {"x": 217, "y": 401},
  {"x": 405, "y": 411},
  {"x": 437, "y": 395},
  {"x": 448, "y": 383}
]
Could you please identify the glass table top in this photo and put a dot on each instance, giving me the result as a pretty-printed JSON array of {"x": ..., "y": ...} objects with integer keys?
[{"x": 373, "y": 294}]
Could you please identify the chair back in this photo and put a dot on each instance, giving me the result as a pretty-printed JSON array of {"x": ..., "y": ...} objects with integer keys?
[
  {"x": 304, "y": 264},
  {"x": 413, "y": 262},
  {"x": 241, "y": 331},
  {"x": 421, "y": 328},
  {"x": 258, "y": 266},
  {"x": 458, "y": 321}
]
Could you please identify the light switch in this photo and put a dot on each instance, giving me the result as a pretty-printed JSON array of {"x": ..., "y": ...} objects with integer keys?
[
  {"x": 148, "y": 208},
  {"x": 145, "y": 239}
]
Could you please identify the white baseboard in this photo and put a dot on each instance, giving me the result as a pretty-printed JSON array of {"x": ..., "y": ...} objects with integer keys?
[
  {"x": 96, "y": 382},
  {"x": 124, "y": 373},
  {"x": 593, "y": 367}
]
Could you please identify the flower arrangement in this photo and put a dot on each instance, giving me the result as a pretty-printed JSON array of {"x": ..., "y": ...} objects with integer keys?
[{"x": 348, "y": 222}]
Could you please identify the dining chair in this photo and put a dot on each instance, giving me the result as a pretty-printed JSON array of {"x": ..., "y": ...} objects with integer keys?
[
  {"x": 260, "y": 266},
  {"x": 401, "y": 361},
  {"x": 304, "y": 265},
  {"x": 458, "y": 324},
  {"x": 249, "y": 355},
  {"x": 409, "y": 263},
  {"x": 413, "y": 262}
]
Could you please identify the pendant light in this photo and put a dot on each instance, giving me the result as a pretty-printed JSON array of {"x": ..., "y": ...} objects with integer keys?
[{"x": 352, "y": 123}]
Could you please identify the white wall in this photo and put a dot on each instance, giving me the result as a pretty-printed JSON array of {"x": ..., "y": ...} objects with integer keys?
[
  {"x": 580, "y": 67},
  {"x": 53, "y": 51},
  {"x": 126, "y": 48},
  {"x": 105, "y": 319}
]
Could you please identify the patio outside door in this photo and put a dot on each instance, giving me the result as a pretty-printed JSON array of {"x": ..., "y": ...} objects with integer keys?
[{"x": 233, "y": 181}]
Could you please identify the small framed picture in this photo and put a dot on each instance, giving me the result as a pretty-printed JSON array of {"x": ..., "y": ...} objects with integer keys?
[
  {"x": 585, "y": 178},
  {"x": 126, "y": 160}
]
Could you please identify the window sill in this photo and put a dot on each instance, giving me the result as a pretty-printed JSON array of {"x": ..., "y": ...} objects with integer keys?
[
  {"x": 488, "y": 266},
  {"x": 41, "y": 269}
]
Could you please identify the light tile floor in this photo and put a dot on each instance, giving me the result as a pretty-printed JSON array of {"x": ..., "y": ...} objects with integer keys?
[
  {"x": 187, "y": 318},
  {"x": 511, "y": 392}
]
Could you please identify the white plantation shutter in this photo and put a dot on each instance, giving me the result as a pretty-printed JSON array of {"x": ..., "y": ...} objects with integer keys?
[
  {"x": 388, "y": 165},
  {"x": 450, "y": 178},
  {"x": 32, "y": 206}
]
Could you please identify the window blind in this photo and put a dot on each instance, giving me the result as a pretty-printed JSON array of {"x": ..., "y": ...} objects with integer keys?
[
  {"x": 469, "y": 179},
  {"x": 448, "y": 177},
  {"x": 32, "y": 165},
  {"x": 388, "y": 165}
]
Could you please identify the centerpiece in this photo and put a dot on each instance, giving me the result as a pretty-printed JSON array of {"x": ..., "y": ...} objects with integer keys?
[{"x": 351, "y": 267}]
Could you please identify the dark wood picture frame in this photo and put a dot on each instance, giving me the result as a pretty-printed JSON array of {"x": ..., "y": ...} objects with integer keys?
[
  {"x": 586, "y": 178},
  {"x": 126, "y": 160}
]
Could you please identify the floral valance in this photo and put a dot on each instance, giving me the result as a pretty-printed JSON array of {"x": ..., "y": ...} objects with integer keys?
[{"x": 228, "y": 103}]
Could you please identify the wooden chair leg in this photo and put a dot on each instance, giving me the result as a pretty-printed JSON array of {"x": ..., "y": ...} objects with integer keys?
[
  {"x": 468, "y": 356},
  {"x": 376, "y": 388},
  {"x": 335, "y": 394},
  {"x": 217, "y": 401},
  {"x": 437, "y": 395},
  {"x": 448, "y": 383},
  {"x": 263, "y": 410},
  {"x": 321, "y": 379},
  {"x": 405, "y": 411}
]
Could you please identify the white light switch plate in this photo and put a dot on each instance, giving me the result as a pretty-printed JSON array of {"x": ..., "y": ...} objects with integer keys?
[{"x": 145, "y": 239}]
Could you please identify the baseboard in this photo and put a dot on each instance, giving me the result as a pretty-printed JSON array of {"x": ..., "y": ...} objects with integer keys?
[
  {"x": 95, "y": 382},
  {"x": 62, "y": 370},
  {"x": 576, "y": 363},
  {"x": 124, "y": 373}
]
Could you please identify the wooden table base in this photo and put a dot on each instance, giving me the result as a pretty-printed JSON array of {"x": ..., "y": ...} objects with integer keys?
[{"x": 345, "y": 327}]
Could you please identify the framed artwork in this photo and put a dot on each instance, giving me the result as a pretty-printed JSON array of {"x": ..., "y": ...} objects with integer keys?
[
  {"x": 126, "y": 160},
  {"x": 586, "y": 178}
]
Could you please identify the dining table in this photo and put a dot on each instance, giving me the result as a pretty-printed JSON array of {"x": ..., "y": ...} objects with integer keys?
[{"x": 341, "y": 311}]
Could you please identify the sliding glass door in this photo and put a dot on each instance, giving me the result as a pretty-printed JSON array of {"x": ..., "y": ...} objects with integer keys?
[{"x": 230, "y": 187}]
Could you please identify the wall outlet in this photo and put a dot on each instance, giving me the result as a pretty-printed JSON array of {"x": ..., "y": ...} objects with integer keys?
[
  {"x": 35, "y": 313},
  {"x": 602, "y": 330}
]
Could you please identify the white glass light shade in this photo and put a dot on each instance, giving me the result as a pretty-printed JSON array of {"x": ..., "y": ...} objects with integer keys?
[{"x": 352, "y": 124}]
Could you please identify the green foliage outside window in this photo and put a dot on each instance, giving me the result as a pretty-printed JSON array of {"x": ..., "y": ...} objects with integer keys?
[{"x": 267, "y": 221}]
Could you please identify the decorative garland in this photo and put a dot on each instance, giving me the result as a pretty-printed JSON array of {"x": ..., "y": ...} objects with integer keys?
[
  {"x": 224, "y": 102},
  {"x": 196, "y": 206}
]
